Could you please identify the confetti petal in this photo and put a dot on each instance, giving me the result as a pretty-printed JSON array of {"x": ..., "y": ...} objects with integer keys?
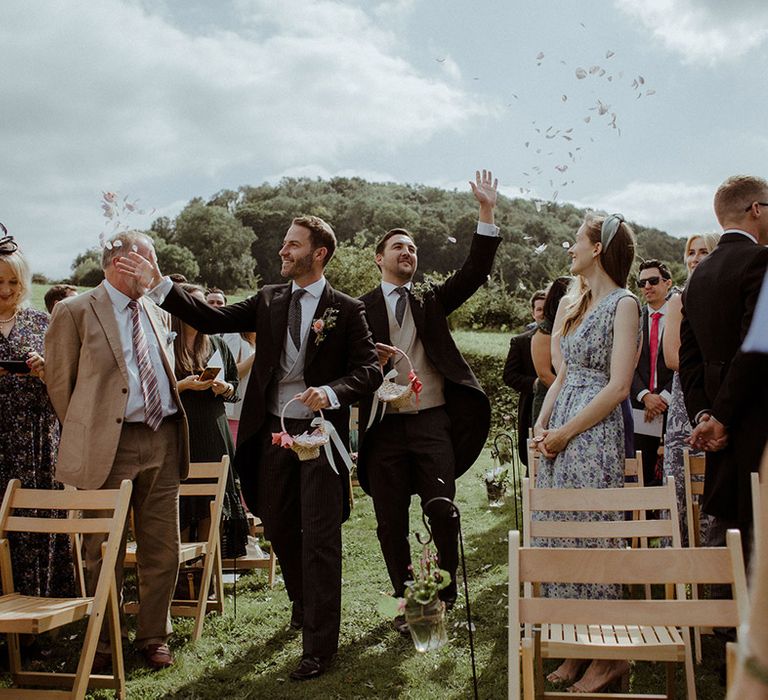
[
  {"x": 565, "y": 244},
  {"x": 581, "y": 73},
  {"x": 451, "y": 239},
  {"x": 609, "y": 54}
]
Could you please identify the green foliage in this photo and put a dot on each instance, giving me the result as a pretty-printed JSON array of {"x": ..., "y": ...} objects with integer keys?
[
  {"x": 220, "y": 244},
  {"x": 86, "y": 268},
  {"x": 172, "y": 257},
  {"x": 492, "y": 306},
  {"x": 352, "y": 269}
]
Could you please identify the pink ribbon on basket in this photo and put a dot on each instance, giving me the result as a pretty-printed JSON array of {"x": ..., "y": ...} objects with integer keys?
[
  {"x": 416, "y": 385},
  {"x": 282, "y": 439}
]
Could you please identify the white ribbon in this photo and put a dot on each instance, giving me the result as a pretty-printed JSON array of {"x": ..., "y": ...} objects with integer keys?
[
  {"x": 375, "y": 405},
  {"x": 330, "y": 430}
]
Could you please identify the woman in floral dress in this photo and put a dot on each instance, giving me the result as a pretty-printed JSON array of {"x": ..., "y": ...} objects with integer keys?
[
  {"x": 697, "y": 247},
  {"x": 29, "y": 430},
  {"x": 580, "y": 430}
]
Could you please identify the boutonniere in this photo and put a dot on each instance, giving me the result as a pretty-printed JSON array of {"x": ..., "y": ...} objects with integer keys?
[
  {"x": 420, "y": 289},
  {"x": 327, "y": 322}
]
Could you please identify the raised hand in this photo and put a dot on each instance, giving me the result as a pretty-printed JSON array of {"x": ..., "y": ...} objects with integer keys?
[
  {"x": 485, "y": 189},
  {"x": 145, "y": 272}
]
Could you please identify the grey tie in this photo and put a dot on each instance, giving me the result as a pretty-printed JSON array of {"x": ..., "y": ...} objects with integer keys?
[
  {"x": 400, "y": 306},
  {"x": 294, "y": 317}
]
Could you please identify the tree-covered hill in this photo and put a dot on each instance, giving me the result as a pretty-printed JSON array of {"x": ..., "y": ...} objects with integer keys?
[{"x": 231, "y": 240}]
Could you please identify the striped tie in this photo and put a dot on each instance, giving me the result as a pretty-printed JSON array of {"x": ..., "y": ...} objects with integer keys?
[{"x": 153, "y": 411}]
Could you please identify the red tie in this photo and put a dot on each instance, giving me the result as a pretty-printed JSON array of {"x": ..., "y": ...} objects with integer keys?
[{"x": 654, "y": 344}]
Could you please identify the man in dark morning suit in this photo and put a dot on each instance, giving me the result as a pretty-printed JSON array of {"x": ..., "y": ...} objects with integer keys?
[
  {"x": 520, "y": 374},
  {"x": 725, "y": 389},
  {"x": 313, "y": 343},
  {"x": 423, "y": 447},
  {"x": 652, "y": 381}
]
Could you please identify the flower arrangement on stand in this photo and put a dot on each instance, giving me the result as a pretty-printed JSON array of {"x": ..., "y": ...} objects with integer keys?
[{"x": 496, "y": 482}]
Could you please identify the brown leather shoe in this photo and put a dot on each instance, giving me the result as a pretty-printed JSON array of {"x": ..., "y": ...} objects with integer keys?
[
  {"x": 157, "y": 656},
  {"x": 102, "y": 662}
]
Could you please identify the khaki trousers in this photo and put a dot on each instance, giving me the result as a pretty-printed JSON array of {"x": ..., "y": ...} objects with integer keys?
[{"x": 151, "y": 460}]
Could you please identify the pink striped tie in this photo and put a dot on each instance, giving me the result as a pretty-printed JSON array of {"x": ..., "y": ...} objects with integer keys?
[{"x": 153, "y": 411}]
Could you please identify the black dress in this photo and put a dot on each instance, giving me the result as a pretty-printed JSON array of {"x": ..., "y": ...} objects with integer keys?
[{"x": 209, "y": 440}]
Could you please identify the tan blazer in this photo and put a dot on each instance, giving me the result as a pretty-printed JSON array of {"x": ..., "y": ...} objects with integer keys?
[{"x": 87, "y": 382}]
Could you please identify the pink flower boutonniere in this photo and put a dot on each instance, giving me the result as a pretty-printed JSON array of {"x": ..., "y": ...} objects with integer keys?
[{"x": 327, "y": 322}]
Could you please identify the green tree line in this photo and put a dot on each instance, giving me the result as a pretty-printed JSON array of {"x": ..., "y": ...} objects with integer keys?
[{"x": 231, "y": 240}]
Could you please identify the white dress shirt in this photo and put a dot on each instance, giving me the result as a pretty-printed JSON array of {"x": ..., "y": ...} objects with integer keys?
[
  {"x": 134, "y": 409},
  {"x": 743, "y": 233}
]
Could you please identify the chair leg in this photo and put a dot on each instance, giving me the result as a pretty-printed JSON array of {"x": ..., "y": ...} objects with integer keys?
[
  {"x": 690, "y": 678},
  {"x": 731, "y": 661},
  {"x": 116, "y": 642},
  {"x": 529, "y": 675},
  {"x": 218, "y": 582},
  {"x": 202, "y": 596},
  {"x": 14, "y": 654}
]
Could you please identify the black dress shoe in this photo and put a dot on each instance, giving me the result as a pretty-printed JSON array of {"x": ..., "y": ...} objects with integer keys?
[
  {"x": 297, "y": 616},
  {"x": 448, "y": 596},
  {"x": 309, "y": 667},
  {"x": 401, "y": 626}
]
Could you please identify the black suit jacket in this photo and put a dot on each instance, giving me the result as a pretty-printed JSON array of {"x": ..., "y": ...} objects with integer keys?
[
  {"x": 465, "y": 402},
  {"x": 642, "y": 376},
  {"x": 718, "y": 304},
  {"x": 345, "y": 360},
  {"x": 520, "y": 374}
]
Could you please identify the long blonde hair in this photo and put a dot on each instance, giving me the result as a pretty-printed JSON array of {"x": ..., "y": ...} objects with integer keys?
[{"x": 616, "y": 260}]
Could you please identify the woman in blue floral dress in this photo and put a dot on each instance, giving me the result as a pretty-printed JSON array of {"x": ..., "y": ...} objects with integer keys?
[
  {"x": 29, "y": 430},
  {"x": 580, "y": 431}
]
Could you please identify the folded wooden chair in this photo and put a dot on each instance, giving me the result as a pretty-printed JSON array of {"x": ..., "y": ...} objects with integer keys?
[
  {"x": 20, "y": 614},
  {"x": 649, "y": 630},
  {"x": 205, "y": 479},
  {"x": 694, "y": 466}
]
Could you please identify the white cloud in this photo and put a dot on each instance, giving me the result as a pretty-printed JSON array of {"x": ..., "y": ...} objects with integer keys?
[
  {"x": 108, "y": 95},
  {"x": 678, "y": 208},
  {"x": 703, "y": 31}
]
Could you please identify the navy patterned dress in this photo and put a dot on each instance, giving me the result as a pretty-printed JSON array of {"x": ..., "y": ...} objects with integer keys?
[
  {"x": 29, "y": 439},
  {"x": 595, "y": 457}
]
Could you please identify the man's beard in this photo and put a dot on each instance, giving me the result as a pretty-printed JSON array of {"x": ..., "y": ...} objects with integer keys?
[{"x": 300, "y": 266}]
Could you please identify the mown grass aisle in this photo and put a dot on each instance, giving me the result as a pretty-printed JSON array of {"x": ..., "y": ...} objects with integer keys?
[{"x": 251, "y": 655}]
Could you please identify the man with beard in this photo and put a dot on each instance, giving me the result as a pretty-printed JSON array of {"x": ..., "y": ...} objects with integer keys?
[
  {"x": 314, "y": 345},
  {"x": 423, "y": 447}
]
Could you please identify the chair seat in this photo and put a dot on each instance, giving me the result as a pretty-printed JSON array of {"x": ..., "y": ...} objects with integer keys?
[
  {"x": 30, "y": 615},
  {"x": 657, "y": 643},
  {"x": 187, "y": 551}
]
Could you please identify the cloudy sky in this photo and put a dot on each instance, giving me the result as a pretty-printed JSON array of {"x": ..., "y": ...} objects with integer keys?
[{"x": 642, "y": 107}]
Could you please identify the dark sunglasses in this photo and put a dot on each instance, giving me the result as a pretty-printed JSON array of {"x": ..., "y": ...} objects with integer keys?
[{"x": 653, "y": 281}]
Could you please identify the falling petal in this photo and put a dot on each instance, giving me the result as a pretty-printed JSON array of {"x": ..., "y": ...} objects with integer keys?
[
  {"x": 567, "y": 138},
  {"x": 117, "y": 244},
  {"x": 565, "y": 244},
  {"x": 584, "y": 26},
  {"x": 554, "y": 195},
  {"x": 602, "y": 108},
  {"x": 451, "y": 239},
  {"x": 594, "y": 69},
  {"x": 540, "y": 248},
  {"x": 609, "y": 78},
  {"x": 440, "y": 60},
  {"x": 568, "y": 131},
  {"x": 587, "y": 120},
  {"x": 108, "y": 245},
  {"x": 561, "y": 168},
  {"x": 440, "y": 480},
  {"x": 565, "y": 184},
  {"x": 635, "y": 84},
  {"x": 515, "y": 96},
  {"x": 526, "y": 238},
  {"x": 641, "y": 80},
  {"x": 527, "y": 143},
  {"x": 538, "y": 206},
  {"x": 540, "y": 55},
  {"x": 564, "y": 98},
  {"x": 135, "y": 248},
  {"x": 520, "y": 285},
  {"x": 609, "y": 54},
  {"x": 601, "y": 73},
  {"x": 581, "y": 73},
  {"x": 650, "y": 92}
]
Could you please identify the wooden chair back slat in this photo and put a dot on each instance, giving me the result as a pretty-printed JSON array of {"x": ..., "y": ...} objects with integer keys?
[
  {"x": 66, "y": 499},
  {"x": 71, "y": 526}
]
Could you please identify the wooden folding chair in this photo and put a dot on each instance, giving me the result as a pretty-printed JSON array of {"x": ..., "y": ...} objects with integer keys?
[
  {"x": 21, "y": 614},
  {"x": 633, "y": 466},
  {"x": 694, "y": 466},
  {"x": 205, "y": 479},
  {"x": 647, "y": 630}
]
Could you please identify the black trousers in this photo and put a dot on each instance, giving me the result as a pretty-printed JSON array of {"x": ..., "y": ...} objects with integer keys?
[
  {"x": 413, "y": 454},
  {"x": 649, "y": 446},
  {"x": 300, "y": 504}
]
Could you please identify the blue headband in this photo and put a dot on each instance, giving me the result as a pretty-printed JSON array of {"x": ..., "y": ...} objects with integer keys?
[{"x": 609, "y": 228}]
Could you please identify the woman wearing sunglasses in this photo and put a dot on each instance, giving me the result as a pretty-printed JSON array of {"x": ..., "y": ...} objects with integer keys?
[{"x": 697, "y": 247}]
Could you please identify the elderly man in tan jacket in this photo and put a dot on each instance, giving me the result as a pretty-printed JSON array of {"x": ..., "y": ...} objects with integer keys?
[{"x": 110, "y": 377}]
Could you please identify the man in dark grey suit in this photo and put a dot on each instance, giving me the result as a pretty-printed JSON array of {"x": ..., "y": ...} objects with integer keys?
[
  {"x": 313, "y": 344},
  {"x": 726, "y": 389},
  {"x": 423, "y": 447}
]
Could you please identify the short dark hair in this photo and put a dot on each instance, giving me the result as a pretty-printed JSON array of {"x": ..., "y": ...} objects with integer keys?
[
  {"x": 321, "y": 234},
  {"x": 538, "y": 294},
  {"x": 382, "y": 243},
  {"x": 660, "y": 266},
  {"x": 557, "y": 290},
  {"x": 216, "y": 290},
  {"x": 57, "y": 293}
]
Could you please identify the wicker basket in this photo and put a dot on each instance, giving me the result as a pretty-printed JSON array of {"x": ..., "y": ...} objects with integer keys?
[
  {"x": 397, "y": 395},
  {"x": 307, "y": 445}
]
